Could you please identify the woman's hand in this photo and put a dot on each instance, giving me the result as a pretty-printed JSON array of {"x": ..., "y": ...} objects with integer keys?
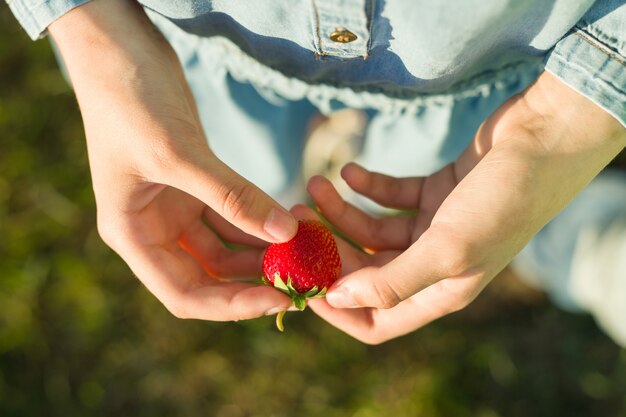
[
  {"x": 157, "y": 183},
  {"x": 527, "y": 161}
]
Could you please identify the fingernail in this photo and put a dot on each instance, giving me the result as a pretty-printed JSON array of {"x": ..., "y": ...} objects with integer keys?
[
  {"x": 281, "y": 225},
  {"x": 341, "y": 298},
  {"x": 274, "y": 310}
]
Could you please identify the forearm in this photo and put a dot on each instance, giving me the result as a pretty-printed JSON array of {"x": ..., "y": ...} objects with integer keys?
[
  {"x": 107, "y": 43},
  {"x": 129, "y": 84},
  {"x": 549, "y": 134},
  {"x": 117, "y": 59},
  {"x": 571, "y": 139},
  {"x": 123, "y": 69}
]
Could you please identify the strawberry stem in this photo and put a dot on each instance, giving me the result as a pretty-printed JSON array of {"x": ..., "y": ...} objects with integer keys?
[
  {"x": 298, "y": 300},
  {"x": 279, "y": 320}
]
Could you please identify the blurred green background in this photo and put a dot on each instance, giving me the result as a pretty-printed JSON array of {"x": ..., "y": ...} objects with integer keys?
[{"x": 80, "y": 336}]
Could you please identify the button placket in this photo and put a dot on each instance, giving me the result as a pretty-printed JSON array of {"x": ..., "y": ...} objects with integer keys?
[{"x": 342, "y": 27}]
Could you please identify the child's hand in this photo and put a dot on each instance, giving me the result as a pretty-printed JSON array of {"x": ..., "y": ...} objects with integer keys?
[
  {"x": 527, "y": 161},
  {"x": 155, "y": 179}
]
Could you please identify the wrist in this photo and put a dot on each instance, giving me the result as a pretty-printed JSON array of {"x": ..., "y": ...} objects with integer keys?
[
  {"x": 552, "y": 119},
  {"x": 554, "y": 107}
]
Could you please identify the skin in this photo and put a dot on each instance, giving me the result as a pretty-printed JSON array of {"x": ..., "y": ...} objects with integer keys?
[
  {"x": 527, "y": 161},
  {"x": 157, "y": 183}
]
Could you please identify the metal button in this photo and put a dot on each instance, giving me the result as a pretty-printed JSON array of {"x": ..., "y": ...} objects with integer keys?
[{"x": 342, "y": 35}]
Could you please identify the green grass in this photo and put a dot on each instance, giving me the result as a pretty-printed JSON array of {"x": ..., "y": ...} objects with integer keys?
[{"x": 80, "y": 336}]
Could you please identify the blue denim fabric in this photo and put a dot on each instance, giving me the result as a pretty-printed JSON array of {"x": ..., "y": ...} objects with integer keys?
[
  {"x": 426, "y": 72},
  {"x": 35, "y": 15},
  {"x": 413, "y": 48},
  {"x": 405, "y": 136},
  {"x": 592, "y": 57}
]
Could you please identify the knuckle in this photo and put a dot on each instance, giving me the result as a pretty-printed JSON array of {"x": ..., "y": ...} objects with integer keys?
[
  {"x": 237, "y": 199},
  {"x": 163, "y": 157},
  {"x": 386, "y": 296},
  {"x": 458, "y": 303},
  {"x": 458, "y": 261},
  {"x": 459, "y": 294},
  {"x": 394, "y": 188},
  {"x": 109, "y": 232},
  {"x": 372, "y": 339},
  {"x": 167, "y": 156},
  {"x": 177, "y": 310},
  {"x": 454, "y": 256}
]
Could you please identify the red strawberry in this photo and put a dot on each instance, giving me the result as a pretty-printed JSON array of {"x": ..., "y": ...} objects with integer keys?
[{"x": 305, "y": 267}]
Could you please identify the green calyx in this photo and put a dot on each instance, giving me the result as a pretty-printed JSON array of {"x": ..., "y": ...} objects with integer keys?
[{"x": 299, "y": 300}]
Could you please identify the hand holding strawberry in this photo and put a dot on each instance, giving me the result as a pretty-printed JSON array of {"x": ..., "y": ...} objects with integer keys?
[
  {"x": 527, "y": 161},
  {"x": 157, "y": 182},
  {"x": 304, "y": 267}
]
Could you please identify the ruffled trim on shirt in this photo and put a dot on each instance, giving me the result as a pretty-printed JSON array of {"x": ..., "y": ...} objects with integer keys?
[{"x": 222, "y": 53}]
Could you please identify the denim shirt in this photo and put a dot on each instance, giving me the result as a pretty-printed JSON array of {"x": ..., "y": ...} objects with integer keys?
[{"x": 405, "y": 53}]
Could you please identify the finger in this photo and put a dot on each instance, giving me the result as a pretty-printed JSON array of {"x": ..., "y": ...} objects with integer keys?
[
  {"x": 388, "y": 191},
  {"x": 304, "y": 212},
  {"x": 358, "y": 322},
  {"x": 177, "y": 280},
  {"x": 375, "y": 326},
  {"x": 393, "y": 232},
  {"x": 234, "y": 301},
  {"x": 425, "y": 193},
  {"x": 216, "y": 259},
  {"x": 229, "y": 232},
  {"x": 428, "y": 260},
  {"x": 235, "y": 199}
]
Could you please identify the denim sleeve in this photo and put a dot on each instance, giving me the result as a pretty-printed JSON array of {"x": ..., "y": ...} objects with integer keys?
[
  {"x": 36, "y": 15},
  {"x": 591, "y": 58}
]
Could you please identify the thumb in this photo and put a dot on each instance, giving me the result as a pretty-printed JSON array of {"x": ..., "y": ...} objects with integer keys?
[
  {"x": 238, "y": 200},
  {"x": 384, "y": 286},
  {"x": 366, "y": 287}
]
